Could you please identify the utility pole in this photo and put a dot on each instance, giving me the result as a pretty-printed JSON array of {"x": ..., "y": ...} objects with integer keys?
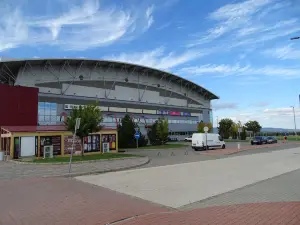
[{"x": 295, "y": 121}]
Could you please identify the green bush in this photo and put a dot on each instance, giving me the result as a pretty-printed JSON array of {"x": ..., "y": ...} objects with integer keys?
[
  {"x": 158, "y": 132},
  {"x": 126, "y": 131}
]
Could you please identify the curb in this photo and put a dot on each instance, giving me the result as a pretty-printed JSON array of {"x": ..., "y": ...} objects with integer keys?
[
  {"x": 100, "y": 171},
  {"x": 248, "y": 149},
  {"x": 76, "y": 162}
]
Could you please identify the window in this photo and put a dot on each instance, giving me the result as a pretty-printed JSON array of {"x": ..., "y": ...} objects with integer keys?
[{"x": 47, "y": 113}]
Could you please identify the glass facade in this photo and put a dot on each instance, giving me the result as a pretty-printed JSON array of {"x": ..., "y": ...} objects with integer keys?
[
  {"x": 47, "y": 113},
  {"x": 211, "y": 119}
]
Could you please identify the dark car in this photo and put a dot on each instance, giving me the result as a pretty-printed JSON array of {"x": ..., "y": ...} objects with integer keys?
[
  {"x": 258, "y": 140},
  {"x": 265, "y": 140},
  {"x": 271, "y": 140}
]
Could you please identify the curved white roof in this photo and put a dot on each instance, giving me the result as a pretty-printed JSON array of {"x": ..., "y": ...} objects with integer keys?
[{"x": 12, "y": 66}]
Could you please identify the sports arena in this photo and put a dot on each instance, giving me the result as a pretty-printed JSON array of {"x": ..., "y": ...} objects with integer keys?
[{"x": 144, "y": 93}]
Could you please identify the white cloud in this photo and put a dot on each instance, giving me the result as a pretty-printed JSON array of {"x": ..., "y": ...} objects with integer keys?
[
  {"x": 158, "y": 58},
  {"x": 164, "y": 26},
  {"x": 231, "y": 17},
  {"x": 237, "y": 70},
  {"x": 78, "y": 27},
  {"x": 270, "y": 117},
  {"x": 149, "y": 17},
  {"x": 284, "y": 52},
  {"x": 246, "y": 24},
  {"x": 288, "y": 111}
]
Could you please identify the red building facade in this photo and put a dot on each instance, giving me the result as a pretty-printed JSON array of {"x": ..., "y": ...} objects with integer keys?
[{"x": 18, "y": 106}]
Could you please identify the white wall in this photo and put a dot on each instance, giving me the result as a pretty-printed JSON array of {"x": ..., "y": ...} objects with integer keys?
[{"x": 38, "y": 75}]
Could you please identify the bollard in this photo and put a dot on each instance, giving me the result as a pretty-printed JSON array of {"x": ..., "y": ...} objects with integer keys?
[{"x": 239, "y": 146}]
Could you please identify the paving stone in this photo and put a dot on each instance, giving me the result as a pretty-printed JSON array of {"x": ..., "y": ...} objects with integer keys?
[{"x": 11, "y": 170}]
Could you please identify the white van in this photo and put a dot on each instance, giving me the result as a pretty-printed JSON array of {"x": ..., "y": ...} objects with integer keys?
[{"x": 213, "y": 141}]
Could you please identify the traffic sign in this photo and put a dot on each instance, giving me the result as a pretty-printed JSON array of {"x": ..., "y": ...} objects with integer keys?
[
  {"x": 205, "y": 129},
  {"x": 137, "y": 135}
]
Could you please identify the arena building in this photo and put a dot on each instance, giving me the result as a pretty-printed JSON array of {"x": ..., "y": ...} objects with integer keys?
[{"x": 144, "y": 93}]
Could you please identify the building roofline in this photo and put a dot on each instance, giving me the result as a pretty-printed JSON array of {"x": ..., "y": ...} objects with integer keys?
[{"x": 10, "y": 61}]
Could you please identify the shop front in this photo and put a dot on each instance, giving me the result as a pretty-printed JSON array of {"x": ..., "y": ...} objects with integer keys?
[{"x": 31, "y": 141}]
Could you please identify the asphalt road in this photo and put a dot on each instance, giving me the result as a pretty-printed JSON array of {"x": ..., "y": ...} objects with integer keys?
[{"x": 162, "y": 157}]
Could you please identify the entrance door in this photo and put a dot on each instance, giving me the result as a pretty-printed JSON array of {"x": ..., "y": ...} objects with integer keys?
[{"x": 27, "y": 146}]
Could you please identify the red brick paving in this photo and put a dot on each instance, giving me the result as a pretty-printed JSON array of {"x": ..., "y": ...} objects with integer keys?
[
  {"x": 287, "y": 213},
  {"x": 227, "y": 151},
  {"x": 62, "y": 201}
]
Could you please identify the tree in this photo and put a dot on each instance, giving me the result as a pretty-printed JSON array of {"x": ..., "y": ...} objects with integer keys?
[
  {"x": 225, "y": 127},
  {"x": 234, "y": 130},
  {"x": 126, "y": 131},
  {"x": 201, "y": 126},
  {"x": 162, "y": 130},
  {"x": 90, "y": 119},
  {"x": 243, "y": 134},
  {"x": 253, "y": 126},
  {"x": 152, "y": 134},
  {"x": 159, "y": 132}
]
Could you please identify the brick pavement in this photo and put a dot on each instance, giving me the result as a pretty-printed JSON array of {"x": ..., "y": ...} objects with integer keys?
[
  {"x": 11, "y": 170},
  {"x": 248, "y": 214},
  {"x": 64, "y": 201}
]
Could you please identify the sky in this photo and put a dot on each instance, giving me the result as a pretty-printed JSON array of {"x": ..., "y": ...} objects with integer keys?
[{"x": 239, "y": 50}]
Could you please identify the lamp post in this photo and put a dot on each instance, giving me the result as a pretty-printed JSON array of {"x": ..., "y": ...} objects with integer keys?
[
  {"x": 295, "y": 121},
  {"x": 295, "y": 38}
]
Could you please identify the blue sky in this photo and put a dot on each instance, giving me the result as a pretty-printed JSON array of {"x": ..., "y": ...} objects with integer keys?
[{"x": 240, "y": 50}]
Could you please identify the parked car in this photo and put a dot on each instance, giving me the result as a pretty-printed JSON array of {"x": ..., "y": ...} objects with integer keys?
[
  {"x": 202, "y": 141},
  {"x": 265, "y": 140},
  {"x": 258, "y": 140},
  {"x": 172, "y": 139},
  {"x": 188, "y": 139},
  {"x": 271, "y": 140}
]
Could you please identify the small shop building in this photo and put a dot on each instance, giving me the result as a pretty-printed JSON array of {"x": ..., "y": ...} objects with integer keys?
[{"x": 27, "y": 141}]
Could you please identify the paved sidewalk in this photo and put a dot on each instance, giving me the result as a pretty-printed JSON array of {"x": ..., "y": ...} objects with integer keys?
[
  {"x": 11, "y": 170},
  {"x": 65, "y": 201},
  {"x": 283, "y": 188},
  {"x": 248, "y": 214},
  {"x": 183, "y": 184}
]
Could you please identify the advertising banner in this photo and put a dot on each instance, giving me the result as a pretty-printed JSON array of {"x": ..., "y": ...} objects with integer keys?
[{"x": 68, "y": 140}]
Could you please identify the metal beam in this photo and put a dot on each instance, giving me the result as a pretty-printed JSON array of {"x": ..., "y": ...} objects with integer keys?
[
  {"x": 141, "y": 97},
  {"x": 9, "y": 73}
]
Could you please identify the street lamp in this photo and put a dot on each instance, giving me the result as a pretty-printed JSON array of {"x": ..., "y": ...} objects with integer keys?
[
  {"x": 294, "y": 120},
  {"x": 295, "y": 38}
]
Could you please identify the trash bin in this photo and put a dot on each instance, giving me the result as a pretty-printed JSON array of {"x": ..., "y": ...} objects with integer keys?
[{"x": 1, "y": 155}]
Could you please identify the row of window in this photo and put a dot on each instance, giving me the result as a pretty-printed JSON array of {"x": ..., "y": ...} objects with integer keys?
[
  {"x": 43, "y": 118},
  {"x": 54, "y": 119}
]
